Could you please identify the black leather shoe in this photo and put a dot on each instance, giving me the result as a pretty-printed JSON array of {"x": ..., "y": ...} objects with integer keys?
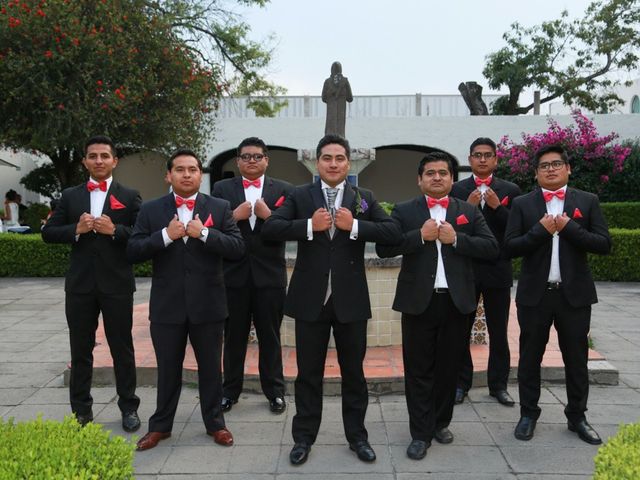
[
  {"x": 277, "y": 405},
  {"x": 443, "y": 435},
  {"x": 299, "y": 453},
  {"x": 226, "y": 403},
  {"x": 363, "y": 450},
  {"x": 585, "y": 432},
  {"x": 503, "y": 397},
  {"x": 417, "y": 449},
  {"x": 130, "y": 421},
  {"x": 460, "y": 394},
  {"x": 84, "y": 419},
  {"x": 524, "y": 429}
]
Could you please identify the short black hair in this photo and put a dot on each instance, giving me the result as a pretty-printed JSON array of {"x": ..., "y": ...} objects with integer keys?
[
  {"x": 11, "y": 195},
  {"x": 102, "y": 140},
  {"x": 186, "y": 152},
  {"x": 331, "y": 139},
  {"x": 435, "y": 157},
  {"x": 550, "y": 149},
  {"x": 482, "y": 141},
  {"x": 253, "y": 142}
]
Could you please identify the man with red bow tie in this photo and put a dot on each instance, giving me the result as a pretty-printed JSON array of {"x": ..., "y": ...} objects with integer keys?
[
  {"x": 435, "y": 293},
  {"x": 256, "y": 282},
  {"x": 96, "y": 218},
  {"x": 493, "y": 278},
  {"x": 553, "y": 228},
  {"x": 186, "y": 234}
]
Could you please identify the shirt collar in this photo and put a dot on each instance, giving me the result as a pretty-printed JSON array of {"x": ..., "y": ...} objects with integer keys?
[
  {"x": 324, "y": 186},
  {"x": 108, "y": 180},
  {"x": 192, "y": 197},
  {"x": 564, "y": 189}
]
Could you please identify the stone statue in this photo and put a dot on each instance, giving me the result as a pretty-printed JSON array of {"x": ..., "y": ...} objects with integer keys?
[
  {"x": 336, "y": 92},
  {"x": 472, "y": 94}
]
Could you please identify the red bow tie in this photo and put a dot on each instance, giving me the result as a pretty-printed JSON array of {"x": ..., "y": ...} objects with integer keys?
[
  {"x": 480, "y": 181},
  {"x": 181, "y": 201},
  {"x": 248, "y": 183},
  {"x": 548, "y": 196},
  {"x": 91, "y": 186},
  {"x": 443, "y": 202}
]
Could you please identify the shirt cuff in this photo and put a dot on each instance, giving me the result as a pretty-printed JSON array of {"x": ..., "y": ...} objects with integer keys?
[
  {"x": 165, "y": 237},
  {"x": 455, "y": 241},
  {"x": 205, "y": 236},
  {"x": 354, "y": 230},
  {"x": 309, "y": 229}
]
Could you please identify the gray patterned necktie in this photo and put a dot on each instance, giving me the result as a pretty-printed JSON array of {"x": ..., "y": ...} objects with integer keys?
[{"x": 332, "y": 193}]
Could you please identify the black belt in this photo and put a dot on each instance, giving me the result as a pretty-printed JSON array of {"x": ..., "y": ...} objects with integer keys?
[
  {"x": 554, "y": 285},
  {"x": 440, "y": 290}
]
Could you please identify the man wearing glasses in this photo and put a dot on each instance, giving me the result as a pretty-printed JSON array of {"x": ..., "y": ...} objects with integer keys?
[
  {"x": 553, "y": 228},
  {"x": 256, "y": 282},
  {"x": 493, "y": 278}
]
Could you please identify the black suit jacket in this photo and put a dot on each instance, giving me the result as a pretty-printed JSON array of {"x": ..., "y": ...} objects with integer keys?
[
  {"x": 97, "y": 261},
  {"x": 492, "y": 273},
  {"x": 263, "y": 262},
  {"x": 188, "y": 280},
  {"x": 526, "y": 237},
  {"x": 341, "y": 255},
  {"x": 420, "y": 260}
]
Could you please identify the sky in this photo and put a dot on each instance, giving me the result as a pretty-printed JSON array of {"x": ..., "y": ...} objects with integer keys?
[{"x": 391, "y": 47}]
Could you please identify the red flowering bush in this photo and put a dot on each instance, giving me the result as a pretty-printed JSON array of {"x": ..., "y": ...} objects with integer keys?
[{"x": 595, "y": 160}]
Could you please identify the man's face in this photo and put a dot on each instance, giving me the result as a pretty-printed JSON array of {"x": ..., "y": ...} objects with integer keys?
[
  {"x": 185, "y": 175},
  {"x": 333, "y": 164},
  {"x": 252, "y": 162},
  {"x": 99, "y": 161},
  {"x": 436, "y": 180},
  {"x": 552, "y": 173},
  {"x": 483, "y": 160}
]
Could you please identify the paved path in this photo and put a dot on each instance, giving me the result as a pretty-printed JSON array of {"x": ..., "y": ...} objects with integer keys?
[{"x": 34, "y": 353}]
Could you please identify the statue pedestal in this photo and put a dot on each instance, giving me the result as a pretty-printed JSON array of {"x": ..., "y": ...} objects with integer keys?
[{"x": 360, "y": 159}]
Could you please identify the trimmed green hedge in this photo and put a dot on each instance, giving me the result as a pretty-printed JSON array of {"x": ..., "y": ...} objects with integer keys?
[
  {"x": 63, "y": 450},
  {"x": 619, "y": 458},
  {"x": 29, "y": 256},
  {"x": 622, "y": 214}
]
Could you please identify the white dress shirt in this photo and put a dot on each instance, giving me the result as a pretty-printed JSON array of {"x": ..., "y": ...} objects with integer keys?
[
  {"x": 98, "y": 198},
  {"x": 439, "y": 213},
  {"x": 483, "y": 188},
  {"x": 253, "y": 194},
  {"x": 337, "y": 204},
  {"x": 555, "y": 207},
  {"x": 185, "y": 216}
]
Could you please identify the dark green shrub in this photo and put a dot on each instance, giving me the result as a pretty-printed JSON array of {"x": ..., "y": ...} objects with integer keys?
[
  {"x": 34, "y": 214},
  {"x": 619, "y": 458},
  {"x": 63, "y": 450},
  {"x": 622, "y": 214}
]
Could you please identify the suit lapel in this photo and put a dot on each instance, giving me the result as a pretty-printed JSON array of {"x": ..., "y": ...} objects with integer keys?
[
  {"x": 422, "y": 210},
  {"x": 570, "y": 202},
  {"x": 85, "y": 200},
  {"x": 317, "y": 197},
  {"x": 452, "y": 211},
  {"x": 349, "y": 196},
  {"x": 113, "y": 190},
  {"x": 238, "y": 190},
  {"x": 268, "y": 191}
]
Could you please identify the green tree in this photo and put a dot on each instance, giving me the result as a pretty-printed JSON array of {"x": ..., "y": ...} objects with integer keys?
[
  {"x": 147, "y": 73},
  {"x": 577, "y": 60}
]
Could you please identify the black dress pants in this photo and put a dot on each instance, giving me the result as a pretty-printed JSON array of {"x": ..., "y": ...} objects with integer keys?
[
  {"x": 496, "y": 309},
  {"x": 82, "y": 312},
  {"x": 312, "y": 339},
  {"x": 432, "y": 345},
  {"x": 263, "y": 306},
  {"x": 572, "y": 325}
]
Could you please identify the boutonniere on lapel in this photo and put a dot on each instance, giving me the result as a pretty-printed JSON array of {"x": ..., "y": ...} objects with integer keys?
[
  {"x": 461, "y": 220},
  {"x": 208, "y": 222},
  {"x": 577, "y": 213},
  {"x": 505, "y": 201},
  {"x": 361, "y": 204},
  {"x": 280, "y": 201},
  {"x": 115, "y": 203}
]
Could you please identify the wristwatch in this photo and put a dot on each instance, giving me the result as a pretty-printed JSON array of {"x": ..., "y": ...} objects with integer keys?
[{"x": 204, "y": 232}]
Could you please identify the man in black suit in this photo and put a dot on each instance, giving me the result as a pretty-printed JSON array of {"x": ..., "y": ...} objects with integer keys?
[
  {"x": 96, "y": 218},
  {"x": 186, "y": 234},
  {"x": 553, "y": 228},
  {"x": 435, "y": 293},
  {"x": 331, "y": 220},
  {"x": 256, "y": 283},
  {"x": 493, "y": 278}
]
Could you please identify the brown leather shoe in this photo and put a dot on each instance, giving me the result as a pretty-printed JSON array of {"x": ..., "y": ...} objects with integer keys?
[
  {"x": 151, "y": 439},
  {"x": 222, "y": 437}
]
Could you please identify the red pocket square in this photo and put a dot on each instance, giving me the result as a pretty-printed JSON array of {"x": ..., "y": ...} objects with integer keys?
[
  {"x": 115, "y": 203},
  {"x": 209, "y": 221},
  {"x": 280, "y": 201},
  {"x": 505, "y": 201},
  {"x": 461, "y": 220},
  {"x": 577, "y": 213}
]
